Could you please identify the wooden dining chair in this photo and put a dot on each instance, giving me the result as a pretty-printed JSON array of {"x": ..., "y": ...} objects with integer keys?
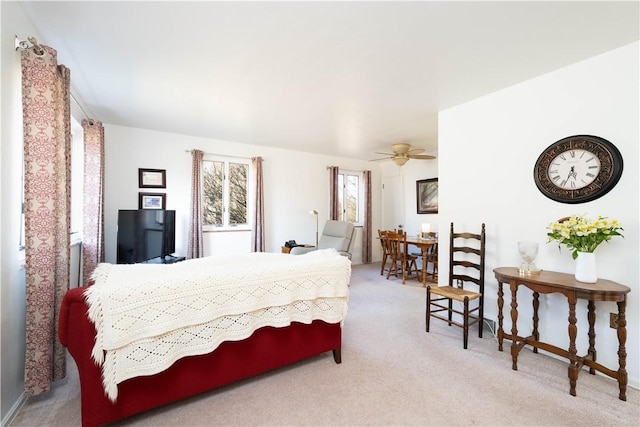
[
  {"x": 466, "y": 267},
  {"x": 384, "y": 242},
  {"x": 401, "y": 261},
  {"x": 432, "y": 258}
]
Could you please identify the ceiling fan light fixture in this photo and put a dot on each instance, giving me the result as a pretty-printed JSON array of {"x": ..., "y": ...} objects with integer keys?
[{"x": 400, "y": 160}]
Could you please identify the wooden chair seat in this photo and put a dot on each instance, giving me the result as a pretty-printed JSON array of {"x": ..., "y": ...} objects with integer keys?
[{"x": 455, "y": 293}]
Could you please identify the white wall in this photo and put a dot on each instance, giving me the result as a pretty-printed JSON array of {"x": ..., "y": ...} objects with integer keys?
[
  {"x": 294, "y": 183},
  {"x": 412, "y": 171},
  {"x": 494, "y": 142}
]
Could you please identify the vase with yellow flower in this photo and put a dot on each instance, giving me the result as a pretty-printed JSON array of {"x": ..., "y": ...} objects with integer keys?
[{"x": 582, "y": 236}]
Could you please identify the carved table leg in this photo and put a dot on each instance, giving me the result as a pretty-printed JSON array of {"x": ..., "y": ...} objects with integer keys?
[
  {"x": 500, "y": 305},
  {"x": 573, "y": 332},
  {"x": 622, "y": 350},
  {"x": 591, "y": 316},
  {"x": 536, "y": 305},
  {"x": 514, "y": 325}
]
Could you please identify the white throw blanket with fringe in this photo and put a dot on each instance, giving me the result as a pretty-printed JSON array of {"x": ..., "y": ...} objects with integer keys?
[{"x": 147, "y": 316}]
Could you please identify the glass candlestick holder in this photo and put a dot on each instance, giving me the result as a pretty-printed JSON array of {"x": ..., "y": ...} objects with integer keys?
[{"x": 528, "y": 252}]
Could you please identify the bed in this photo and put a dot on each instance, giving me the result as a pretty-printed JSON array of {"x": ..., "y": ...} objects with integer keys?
[{"x": 313, "y": 280}]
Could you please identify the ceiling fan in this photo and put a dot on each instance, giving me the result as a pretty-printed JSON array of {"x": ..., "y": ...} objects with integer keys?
[{"x": 402, "y": 152}]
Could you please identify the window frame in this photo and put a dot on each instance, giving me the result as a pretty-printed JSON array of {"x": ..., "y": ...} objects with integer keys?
[
  {"x": 345, "y": 173},
  {"x": 227, "y": 160},
  {"x": 76, "y": 222}
]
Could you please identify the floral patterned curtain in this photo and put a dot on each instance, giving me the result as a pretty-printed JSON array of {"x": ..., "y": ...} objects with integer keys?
[
  {"x": 257, "y": 235},
  {"x": 334, "y": 211},
  {"x": 196, "y": 247},
  {"x": 47, "y": 188},
  {"x": 366, "y": 229},
  {"x": 93, "y": 198}
]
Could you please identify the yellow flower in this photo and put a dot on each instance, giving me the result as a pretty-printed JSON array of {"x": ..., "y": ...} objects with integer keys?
[{"x": 581, "y": 234}]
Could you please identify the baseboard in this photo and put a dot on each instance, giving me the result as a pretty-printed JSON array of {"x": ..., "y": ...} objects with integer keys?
[{"x": 6, "y": 421}]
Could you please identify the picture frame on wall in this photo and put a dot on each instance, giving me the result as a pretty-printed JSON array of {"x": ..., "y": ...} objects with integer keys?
[
  {"x": 427, "y": 196},
  {"x": 152, "y": 178},
  {"x": 152, "y": 201}
]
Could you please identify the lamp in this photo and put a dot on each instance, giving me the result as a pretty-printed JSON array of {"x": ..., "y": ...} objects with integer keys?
[
  {"x": 426, "y": 229},
  {"x": 315, "y": 212}
]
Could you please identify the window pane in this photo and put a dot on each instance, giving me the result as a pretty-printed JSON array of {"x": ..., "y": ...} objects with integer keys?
[
  {"x": 77, "y": 184},
  {"x": 213, "y": 177},
  {"x": 340, "y": 196},
  {"x": 238, "y": 175},
  {"x": 351, "y": 198}
]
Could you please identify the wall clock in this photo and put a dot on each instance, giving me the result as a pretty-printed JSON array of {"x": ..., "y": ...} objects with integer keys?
[{"x": 578, "y": 169}]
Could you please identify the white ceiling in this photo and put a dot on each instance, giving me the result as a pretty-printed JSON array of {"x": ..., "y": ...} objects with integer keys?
[{"x": 339, "y": 78}]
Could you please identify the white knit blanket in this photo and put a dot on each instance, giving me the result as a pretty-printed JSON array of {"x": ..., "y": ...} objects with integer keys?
[{"x": 147, "y": 316}]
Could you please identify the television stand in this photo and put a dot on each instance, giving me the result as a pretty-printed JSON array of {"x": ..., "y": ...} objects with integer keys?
[{"x": 168, "y": 259}]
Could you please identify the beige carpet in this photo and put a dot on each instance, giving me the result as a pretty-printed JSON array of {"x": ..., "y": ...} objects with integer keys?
[{"x": 392, "y": 373}]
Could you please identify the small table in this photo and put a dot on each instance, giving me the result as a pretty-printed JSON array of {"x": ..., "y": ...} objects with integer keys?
[
  {"x": 423, "y": 245},
  {"x": 549, "y": 282},
  {"x": 286, "y": 249}
]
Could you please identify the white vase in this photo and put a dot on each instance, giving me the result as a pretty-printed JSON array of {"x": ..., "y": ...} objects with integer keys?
[{"x": 586, "y": 267}]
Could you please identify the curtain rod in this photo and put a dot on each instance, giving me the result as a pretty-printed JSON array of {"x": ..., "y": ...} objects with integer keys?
[
  {"x": 224, "y": 155},
  {"x": 347, "y": 169},
  {"x": 24, "y": 44},
  {"x": 38, "y": 50},
  {"x": 86, "y": 116}
]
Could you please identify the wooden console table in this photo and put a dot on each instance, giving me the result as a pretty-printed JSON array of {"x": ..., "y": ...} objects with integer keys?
[{"x": 549, "y": 282}]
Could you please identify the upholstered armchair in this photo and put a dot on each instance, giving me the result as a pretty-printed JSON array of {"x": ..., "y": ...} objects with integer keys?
[{"x": 336, "y": 235}]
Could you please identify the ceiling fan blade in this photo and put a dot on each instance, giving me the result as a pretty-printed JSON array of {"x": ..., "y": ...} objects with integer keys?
[
  {"x": 421, "y": 156},
  {"x": 385, "y": 154},
  {"x": 415, "y": 151},
  {"x": 384, "y": 158}
]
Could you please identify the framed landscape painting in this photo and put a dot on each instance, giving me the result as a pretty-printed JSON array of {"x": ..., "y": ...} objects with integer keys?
[
  {"x": 427, "y": 196},
  {"x": 152, "y": 201}
]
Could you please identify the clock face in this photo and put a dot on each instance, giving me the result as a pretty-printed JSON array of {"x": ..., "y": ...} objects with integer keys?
[
  {"x": 574, "y": 169},
  {"x": 578, "y": 169}
]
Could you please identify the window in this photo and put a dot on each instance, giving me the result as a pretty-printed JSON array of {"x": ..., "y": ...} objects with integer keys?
[
  {"x": 226, "y": 193},
  {"x": 77, "y": 180},
  {"x": 350, "y": 194}
]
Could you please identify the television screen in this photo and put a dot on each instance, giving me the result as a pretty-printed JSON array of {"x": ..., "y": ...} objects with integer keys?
[{"x": 145, "y": 234}]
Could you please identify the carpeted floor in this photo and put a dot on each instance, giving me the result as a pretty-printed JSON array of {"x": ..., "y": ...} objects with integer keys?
[{"x": 392, "y": 373}]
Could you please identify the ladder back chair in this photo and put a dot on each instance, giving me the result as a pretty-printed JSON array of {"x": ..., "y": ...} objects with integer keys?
[
  {"x": 466, "y": 256},
  {"x": 384, "y": 242},
  {"x": 401, "y": 261}
]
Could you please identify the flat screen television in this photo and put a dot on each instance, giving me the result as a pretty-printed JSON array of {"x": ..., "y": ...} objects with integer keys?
[{"x": 145, "y": 234}]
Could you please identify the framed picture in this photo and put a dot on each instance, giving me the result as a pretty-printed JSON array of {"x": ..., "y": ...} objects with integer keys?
[
  {"x": 152, "y": 178},
  {"x": 152, "y": 201},
  {"x": 427, "y": 196}
]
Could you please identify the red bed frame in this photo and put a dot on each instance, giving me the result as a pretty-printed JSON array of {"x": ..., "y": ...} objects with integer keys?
[{"x": 268, "y": 348}]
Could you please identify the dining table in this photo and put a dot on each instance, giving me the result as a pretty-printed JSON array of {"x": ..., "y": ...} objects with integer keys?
[{"x": 423, "y": 244}]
